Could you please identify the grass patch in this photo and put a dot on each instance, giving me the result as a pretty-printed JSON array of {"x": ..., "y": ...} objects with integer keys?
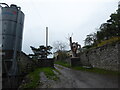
[
  {"x": 50, "y": 74},
  {"x": 57, "y": 71},
  {"x": 33, "y": 78},
  {"x": 63, "y": 63},
  {"x": 111, "y": 40},
  {"x": 97, "y": 70},
  {"x": 60, "y": 67}
]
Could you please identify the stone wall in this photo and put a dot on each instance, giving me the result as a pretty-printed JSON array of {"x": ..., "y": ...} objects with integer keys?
[
  {"x": 26, "y": 64},
  {"x": 75, "y": 61},
  {"x": 104, "y": 57},
  {"x": 49, "y": 62}
]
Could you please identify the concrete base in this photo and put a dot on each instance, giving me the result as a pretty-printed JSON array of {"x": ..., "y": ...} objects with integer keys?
[
  {"x": 75, "y": 61},
  {"x": 11, "y": 82}
]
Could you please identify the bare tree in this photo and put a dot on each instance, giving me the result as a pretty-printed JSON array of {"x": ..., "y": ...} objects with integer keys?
[{"x": 59, "y": 45}]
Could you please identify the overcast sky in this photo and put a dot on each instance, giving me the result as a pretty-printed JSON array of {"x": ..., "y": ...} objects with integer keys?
[{"x": 62, "y": 17}]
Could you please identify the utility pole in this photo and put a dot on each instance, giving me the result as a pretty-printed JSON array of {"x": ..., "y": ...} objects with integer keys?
[
  {"x": 46, "y": 40},
  {"x": 46, "y": 36}
]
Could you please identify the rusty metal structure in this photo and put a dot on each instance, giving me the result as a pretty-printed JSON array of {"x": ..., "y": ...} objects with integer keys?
[{"x": 74, "y": 47}]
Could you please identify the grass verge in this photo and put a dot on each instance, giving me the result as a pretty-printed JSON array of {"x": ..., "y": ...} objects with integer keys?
[
  {"x": 57, "y": 71},
  {"x": 63, "y": 63},
  {"x": 111, "y": 40},
  {"x": 95, "y": 70},
  {"x": 50, "y": 74},
  {"x": 33, "y": 78}
]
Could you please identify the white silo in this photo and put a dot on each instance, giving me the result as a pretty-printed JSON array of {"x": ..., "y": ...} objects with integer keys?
[{"x": 119, "y": 4}]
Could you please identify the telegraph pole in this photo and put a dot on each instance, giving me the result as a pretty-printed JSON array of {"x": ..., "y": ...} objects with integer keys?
[
  {"x": 46, "y": 40},
  {"x": 46, "y": 36}
]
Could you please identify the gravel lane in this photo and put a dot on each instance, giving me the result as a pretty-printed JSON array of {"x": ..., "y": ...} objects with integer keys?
[
  {"x": 70, "y": 78},
  {"x": 80, "y": 79}
]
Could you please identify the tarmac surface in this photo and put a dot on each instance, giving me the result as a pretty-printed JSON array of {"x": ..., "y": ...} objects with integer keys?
[{"x": 70, "y": 78}]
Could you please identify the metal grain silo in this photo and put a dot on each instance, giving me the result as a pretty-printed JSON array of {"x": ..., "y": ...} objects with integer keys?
[{"x": 12, "y": 20}]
